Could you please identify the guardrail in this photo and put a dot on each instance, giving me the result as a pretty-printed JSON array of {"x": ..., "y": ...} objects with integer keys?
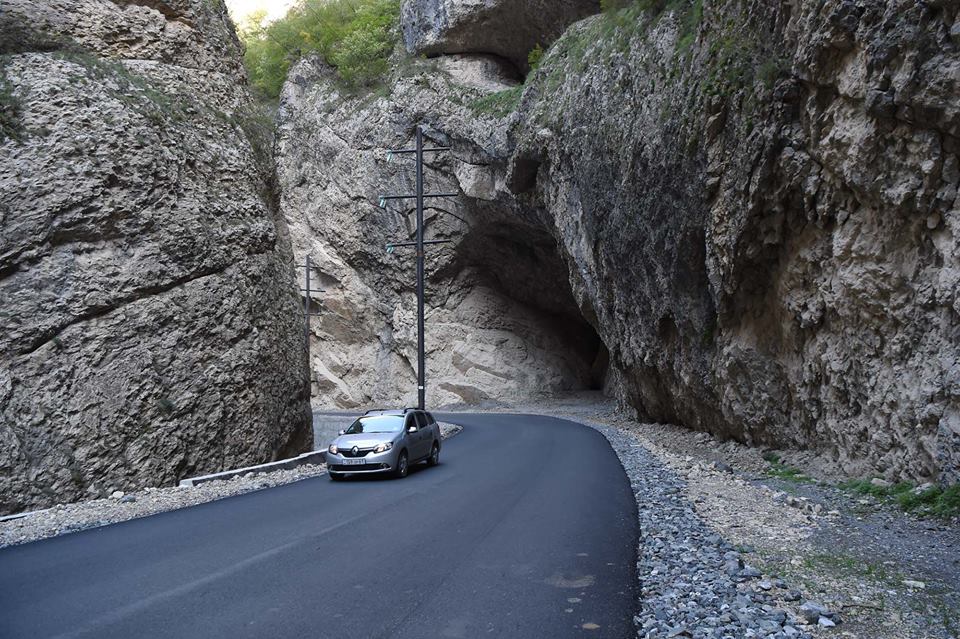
[{"x": 313, "y": 457}]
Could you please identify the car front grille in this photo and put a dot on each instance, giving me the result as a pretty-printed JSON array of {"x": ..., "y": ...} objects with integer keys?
[{"x": 348, "y": 452}]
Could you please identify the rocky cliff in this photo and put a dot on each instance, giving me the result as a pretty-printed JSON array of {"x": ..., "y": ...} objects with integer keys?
[
  {"x": 492, "y": 332},
  {"x": 753, "y": 205},
  {"x": 780, "y": 184},
  {"x": 150, "y": 324}
]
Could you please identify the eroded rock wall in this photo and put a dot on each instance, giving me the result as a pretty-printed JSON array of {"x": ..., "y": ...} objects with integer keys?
[
  {"x": 151, "y": 328},
  {"x": 754, "y": 205},
  {"x": 492, "y": 332},
  {"x": 761, "y": 206}
]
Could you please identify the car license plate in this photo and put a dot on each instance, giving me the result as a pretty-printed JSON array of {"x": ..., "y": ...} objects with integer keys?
[{"x": 354, "y": 462}]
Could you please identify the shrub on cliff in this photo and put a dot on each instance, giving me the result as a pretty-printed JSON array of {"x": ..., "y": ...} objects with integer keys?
[
  {"x": 355, "y": 36},
  {"x": 9, "y": 107}
]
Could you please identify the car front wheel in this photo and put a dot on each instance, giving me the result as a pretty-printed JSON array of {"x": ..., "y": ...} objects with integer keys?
[
  {"x": 434, "y": 458},
  {"x": 403, "y": 466},
  {"x": 335, "y": 476}
]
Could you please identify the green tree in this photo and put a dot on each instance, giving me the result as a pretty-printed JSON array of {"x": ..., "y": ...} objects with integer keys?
[
  {"x": 535, "y": 57},
  {"x": 355, "y": 36}
]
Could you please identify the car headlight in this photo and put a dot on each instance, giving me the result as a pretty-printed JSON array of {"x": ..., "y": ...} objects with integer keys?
[
  {"x": 333, "y": 449},
  {"x": 382, "y": 448}
]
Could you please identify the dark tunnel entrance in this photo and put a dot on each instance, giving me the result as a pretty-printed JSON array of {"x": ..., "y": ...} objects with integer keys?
[{"x": 523, "y": 262}]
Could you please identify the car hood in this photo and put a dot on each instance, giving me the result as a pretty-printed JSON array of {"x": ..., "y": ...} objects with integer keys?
[{"x": 363, "y": 440}]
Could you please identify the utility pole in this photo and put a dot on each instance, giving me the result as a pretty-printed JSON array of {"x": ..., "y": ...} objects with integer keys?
[
  {"x": 421, "y": 355},
  {"x": 308, "y": 291},
  {"x": 418, "y": 151}
]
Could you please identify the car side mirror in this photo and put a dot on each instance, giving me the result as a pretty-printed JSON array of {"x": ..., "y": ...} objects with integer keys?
[
  {"x": 412, "y": 429},
  {"x": 341, "y": 432}
]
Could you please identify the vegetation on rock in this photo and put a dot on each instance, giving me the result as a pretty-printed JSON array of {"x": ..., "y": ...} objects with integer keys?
[
  {"x": 782, "y": 471},
  {"x": 927, "y": 500},
  {"x": 9, "y": 107},
  {"x": 355, "y": 36},
  {"x": 500, "y": 104},
  {"x": 535, "y": 57}
]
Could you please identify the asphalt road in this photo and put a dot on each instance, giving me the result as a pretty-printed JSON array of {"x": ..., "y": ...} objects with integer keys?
[{"x": 524, "y": 519}]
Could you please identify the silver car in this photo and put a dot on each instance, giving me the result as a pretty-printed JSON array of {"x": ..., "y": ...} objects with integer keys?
[{"x": 385, "y": 441}]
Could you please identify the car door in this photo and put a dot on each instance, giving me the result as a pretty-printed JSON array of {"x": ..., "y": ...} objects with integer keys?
[
  {"x": 413, "y": 439},
  {"x": 424, "y": 438}
]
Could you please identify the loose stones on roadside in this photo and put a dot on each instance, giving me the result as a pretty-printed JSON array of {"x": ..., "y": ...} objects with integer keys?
[
  {"x": 694, "y": 584},
  {"x": 813, "y": 612}
]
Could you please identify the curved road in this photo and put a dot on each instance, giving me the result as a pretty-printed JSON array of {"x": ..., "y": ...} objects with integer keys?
[{"x": 524, "y": 519}]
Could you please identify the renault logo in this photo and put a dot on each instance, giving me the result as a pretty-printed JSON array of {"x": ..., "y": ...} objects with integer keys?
[{"x": 354, "y": 450}]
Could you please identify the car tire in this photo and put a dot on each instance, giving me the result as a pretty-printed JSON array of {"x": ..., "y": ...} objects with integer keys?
[
  {"x": 434, "y": 457},
  {"x": 403, "y": 465},
  {"x": 335, "y": 476}
]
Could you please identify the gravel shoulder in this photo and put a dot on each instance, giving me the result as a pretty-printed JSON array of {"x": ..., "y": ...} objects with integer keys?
[
  {"x": 729, "y": 548},
  {"x": 68, "y": 518}
]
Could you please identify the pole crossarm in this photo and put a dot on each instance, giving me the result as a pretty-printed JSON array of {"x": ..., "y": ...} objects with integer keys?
[
  {"x": 394, "y": 245},
  {"x": 393, "y": 152},
  {"x": 309, "y": 290},
  {"x": 385, "y": 198}
]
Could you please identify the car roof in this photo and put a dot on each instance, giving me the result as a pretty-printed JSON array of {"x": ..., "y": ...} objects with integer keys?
[{"x": 389, "y": 411}]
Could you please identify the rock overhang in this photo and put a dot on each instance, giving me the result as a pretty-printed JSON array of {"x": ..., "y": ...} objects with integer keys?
[{"x": 510, "y": 29}]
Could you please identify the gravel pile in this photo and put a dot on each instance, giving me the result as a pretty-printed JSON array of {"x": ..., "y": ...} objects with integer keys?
[
  {"x": 448, "y": 430},
  {"x": 693, "y": 583},
  {"x": 68, "y": 518}
]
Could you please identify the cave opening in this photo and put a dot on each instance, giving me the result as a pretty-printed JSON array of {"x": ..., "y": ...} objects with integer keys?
[{"x": 523, "y": 262}]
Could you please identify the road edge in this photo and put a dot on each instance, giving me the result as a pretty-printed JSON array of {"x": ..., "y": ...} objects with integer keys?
[{"x": 62, "y": 519}]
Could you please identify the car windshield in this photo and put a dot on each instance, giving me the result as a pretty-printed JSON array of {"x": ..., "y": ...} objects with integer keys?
[{"x": 376, "y": 424}]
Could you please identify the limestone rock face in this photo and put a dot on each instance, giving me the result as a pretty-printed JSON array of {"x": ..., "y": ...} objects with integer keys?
[
  {"x": 507, "y": 28},
  {"x": 150, "y": 324},
  {"x": 762, "y": 210},
  {"x": 493, "y": 330},
  {"x": 754, "y": 206}
]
